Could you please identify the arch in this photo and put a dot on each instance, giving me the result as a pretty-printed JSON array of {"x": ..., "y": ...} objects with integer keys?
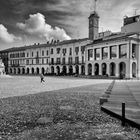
[
  {"x": 112, "y": 69},
  {"x": 77, "y": 69},
  {"x": 133, "y": 69},
  {"x": 104, "y": 69},
  {"x": 89, "y": 69},
  {"x": 23, "y": 70},
  {"x": 122, "y": 70},
  {"x": 58, "y": 70},
  {"x": 96, "y": 69},
  {"x": 28, "y": 70},
  {"x": 52, "y": 69},
  {"x": 19, "y": 71},
  {"x": 10, "y": 70},
  {"x": 70, "y": 70},
  {"x": 33, "y": 71},
  {"x": 43, "y": 71},
  {"x": 82, "y": 69},
  {"x": 37, "y": 70},
  {"x": 15, "y": 71},
  {"x": 64, "y": 70}
]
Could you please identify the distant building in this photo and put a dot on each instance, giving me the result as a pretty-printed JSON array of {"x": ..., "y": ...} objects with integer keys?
[{"x": 102, "y": 53}]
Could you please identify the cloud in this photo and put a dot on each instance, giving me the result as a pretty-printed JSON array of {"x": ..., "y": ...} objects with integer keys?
[
  {"x": 36, "y": 25},
  {"x": 5, "y": 36}
]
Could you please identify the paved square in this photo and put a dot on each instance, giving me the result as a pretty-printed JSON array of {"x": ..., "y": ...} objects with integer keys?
[{"x": 23, "y": 85}]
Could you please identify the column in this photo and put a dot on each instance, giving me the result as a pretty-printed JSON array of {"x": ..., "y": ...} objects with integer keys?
[
  {"x": 86, "y": 70},
  {"x": 100, "y": 53},
  {"x": 92, "y": 69},
  {"x": 109, "y": 52},
  {"x": 74, "y": 71},
  {"x": 108, "y": 69},
  {"x": 100, "y": 69},
  {"x": 117, "y": 70},
  {"x": 128, "y": 49},
  {"x": 117, "y": 51},
  {"x": 79, "y": 69},
  {"x": 127, "y": 71}
]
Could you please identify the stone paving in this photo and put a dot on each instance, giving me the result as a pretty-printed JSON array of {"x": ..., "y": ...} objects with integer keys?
[{"x": 127, "y": 91}]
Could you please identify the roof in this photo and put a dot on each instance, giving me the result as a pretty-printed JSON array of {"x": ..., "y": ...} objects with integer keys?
[
  {"x": 113, "y": 37},
  {"x": 44, "y": 45}
]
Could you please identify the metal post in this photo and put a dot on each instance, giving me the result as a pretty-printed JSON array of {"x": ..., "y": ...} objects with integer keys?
[{"x": 123, "y": 114}]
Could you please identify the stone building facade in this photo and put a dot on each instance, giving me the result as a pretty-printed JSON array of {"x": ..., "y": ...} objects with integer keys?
[{"x": 105, "y": 54}]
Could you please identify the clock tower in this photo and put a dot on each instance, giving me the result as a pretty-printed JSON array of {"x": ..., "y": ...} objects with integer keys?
[{"x": 93, "y": 25}]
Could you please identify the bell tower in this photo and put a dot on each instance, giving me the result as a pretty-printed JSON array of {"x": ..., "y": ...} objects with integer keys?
[{"x": 93, "y": 24}]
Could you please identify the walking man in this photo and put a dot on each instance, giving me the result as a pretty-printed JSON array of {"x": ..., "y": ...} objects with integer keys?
[{"x": 42, "y": 77}]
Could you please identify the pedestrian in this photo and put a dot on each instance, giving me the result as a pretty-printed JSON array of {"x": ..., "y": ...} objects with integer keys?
[{"x": 42, "y": 77}]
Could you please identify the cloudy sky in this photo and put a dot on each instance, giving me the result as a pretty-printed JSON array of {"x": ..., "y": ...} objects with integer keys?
[{"x": 25, "y": 22}]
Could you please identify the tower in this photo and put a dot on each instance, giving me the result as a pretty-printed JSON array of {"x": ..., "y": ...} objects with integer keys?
[{"x": 93, "y": 24}]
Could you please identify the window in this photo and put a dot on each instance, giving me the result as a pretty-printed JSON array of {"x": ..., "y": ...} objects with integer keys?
[
  {"x": 47, "y": 61},
  {"x": 42, "y": 53},
  {"x": 47, "y": 52},
  {"x": 133, "y": 50},
  {"x": 42, "y": 60},
  {"x": 37, "y": 61},
  {"x": 32, "y": 61},
  {"x": 27, "y": 62},
  {"x": 82, "y": 49},
  {"x": 58, "y": 50},
  {"x": 70, "y": 60},
  {"x": 58, "y": 60},
  {"x": 104, "y": 53},
  {"x": 90, "y": 55},
  {"x": 76, "y": 50},
  {"x": 97, "y": 54},
  {"x": 70, "y": 52},
  {"x": 51, "y": 51},
  {"x": 64, "y": 51},
  {"x": 27, "y": 54},
  {"x": 52, "y": 61},
  {"x": 77, "y": 60},
  {"x": 123, "y": 51},
  {"x": 63, "y": 60},
  {"x": 82, "y": 59},
  {"x": 32, "y": 54},
  {"x": 37, "y": 54},
  {"x": 113, "y": 52}
]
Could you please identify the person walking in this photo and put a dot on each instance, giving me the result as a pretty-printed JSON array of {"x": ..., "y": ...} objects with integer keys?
[{"x": 42, "y": 77}]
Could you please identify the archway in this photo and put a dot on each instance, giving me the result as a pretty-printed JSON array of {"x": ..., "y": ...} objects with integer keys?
[
  {"x": 89, "y": 69},
  {"x": 43, "y": 71},
  {"x": 10, "y": 70},
  {"x": 37, "y": 70},
  {"x": 112, "y": 69},
  {"x": 64, "y": 70},
  {"x": 77, "y": 69},
  {"x": 58, "y": 70},
  {"x": 14, "y": 70},
  {"x": 52, "y": 69},
  {"x": 18, "y": 70},
  {"x": 70, "y": 70},
  {"x": 96, "y": 69},
  {"x": 82, "y": 69},
  {"x": 104, "y": 67},
  {"x": 122, "y": 69},
  {"x": 32, "y": 70},
  {"x": 133, "y": 69},
  {"x": 23, "y": 71},
  {"x": 28, "y": 70}
]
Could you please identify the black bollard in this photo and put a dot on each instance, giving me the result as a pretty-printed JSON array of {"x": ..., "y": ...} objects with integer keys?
[{"x": 123, "y": 114}]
